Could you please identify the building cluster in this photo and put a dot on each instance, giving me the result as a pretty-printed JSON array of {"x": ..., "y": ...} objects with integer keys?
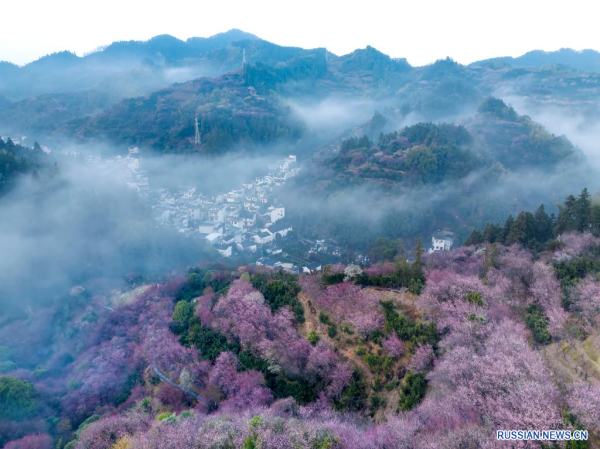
[{"x": 247, "y": 219}]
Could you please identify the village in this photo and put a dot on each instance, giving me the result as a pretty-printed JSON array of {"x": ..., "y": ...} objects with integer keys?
[{"x": 249, "y": 221}]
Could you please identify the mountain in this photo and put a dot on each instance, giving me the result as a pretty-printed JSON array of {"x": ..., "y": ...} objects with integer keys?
[
  {"x": 428, "y": 176},
  {"x": 585, "y": 60},
  {"x": 230, "y": 111},
  {"x": 516, "y": 141},
  {"x": 65, "y": 71},
  {"x": 61, "y": 87}
]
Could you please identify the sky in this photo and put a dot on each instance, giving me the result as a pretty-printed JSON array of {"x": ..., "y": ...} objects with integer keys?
[{"x": 421, "y": 31}]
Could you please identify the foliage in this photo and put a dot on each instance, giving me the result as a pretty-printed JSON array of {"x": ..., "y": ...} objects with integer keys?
[
  {"x": 17, "y": 398},
  {"x": 280, "y": 289},
  {"x": 538, "y": 323},
  {"x": 313, "y": 338},
  {"x": 413, "y": 390},
  {"x": 537, "y": 230},
  {"x": 353, "y": 396},
  {"x": 183, "y": 312},
  {"x": 407, "y": 329}
]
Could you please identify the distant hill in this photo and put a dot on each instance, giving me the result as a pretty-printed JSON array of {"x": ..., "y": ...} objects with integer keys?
[
  {"x": 67, "y": 72},
  {"x": 43, "y": 95},
  {"x": 229, "y": 108},
  {"x": 585, "y": 60},
  {"x": 39, "y": 99}
]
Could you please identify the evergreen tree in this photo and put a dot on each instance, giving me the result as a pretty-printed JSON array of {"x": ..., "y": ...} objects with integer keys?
[
  {"x": 543, "y": 225},
  {"x": 490, "y": 259},
  {"x": 582, "y": 211},
  {"x": 595, "y": 219},
  {"x": 566, "y": 216},
  {"x": 523, "y": 230},
  {"x": 417, "y": 266},
  {"x": 10, "y": 146},
  {"x": 489, "y": 233},
  {"x": 474, "y": 238},
  {"x": 508, "y": 224},
  {"x": 419, "y": 251}
]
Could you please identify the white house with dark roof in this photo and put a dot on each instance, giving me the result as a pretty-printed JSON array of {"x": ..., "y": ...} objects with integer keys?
[
  {"x": 264, "y": 237},
  {"x": 442, "y": 241}
]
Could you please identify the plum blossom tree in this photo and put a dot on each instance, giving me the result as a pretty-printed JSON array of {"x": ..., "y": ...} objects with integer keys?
[
  {"x": 546, "y": 292},
  {"x": 586, "y": 300},
  {"x": 350, "y": 303},
  {"x": 574, "y": 245},
  {"x": 37, "y": 441},
  {"x": 584, "y": 401},
  {"x": 422, "y": 359},
  {"x": 104, "y": 433},
  {"x": 393, "y": 345},
  {"x": 451, "y": 298},
  {"x": 502, "y": 380},
  {"x": 244, "y": 390}
]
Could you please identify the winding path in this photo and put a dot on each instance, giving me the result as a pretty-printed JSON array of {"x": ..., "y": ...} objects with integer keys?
[{"x": 173, "y": 384}]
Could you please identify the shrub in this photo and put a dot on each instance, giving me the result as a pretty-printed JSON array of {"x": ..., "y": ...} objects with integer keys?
[
  {"x": 413, "y": 390},
  {"x": 538, "y": 323},
  {"x": 313, "y": 338},
  {"x": 17, "y": 398},
  {"x": 332, "y": 331}
]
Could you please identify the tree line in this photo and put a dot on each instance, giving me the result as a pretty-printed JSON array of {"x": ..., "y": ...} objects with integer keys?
[{"x": 535, "y": 230}]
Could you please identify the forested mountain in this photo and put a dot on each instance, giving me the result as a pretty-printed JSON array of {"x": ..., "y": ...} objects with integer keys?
[
  {"x": 428, "y": 176},
  {"x": 229, "y": 109},
  {"x": 60, "y": 87},
  {"x": 46, "y": 94},
  {"x": 17, "y": 160}
]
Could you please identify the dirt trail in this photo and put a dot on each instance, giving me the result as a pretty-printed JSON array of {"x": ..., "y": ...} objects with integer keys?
[{"x": 575, "y": 360}]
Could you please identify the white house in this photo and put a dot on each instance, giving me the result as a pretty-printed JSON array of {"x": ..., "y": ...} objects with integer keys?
[
  {"x": 208, "y": 227},
  {"x": 224, "y": 250},
  {"x": 442, "y": 241},
  {"x": 281, "y": 229},
  {"x": 248, "y": 246},
  {"x": 214, "y": 238},
  {"x": 217, "y": 214},
  {"x": 264, "y": 237},
  {"x": 248, "y": 218},
  {"x": 275, "y": 213},
  {"x": 311, "y": 268}
]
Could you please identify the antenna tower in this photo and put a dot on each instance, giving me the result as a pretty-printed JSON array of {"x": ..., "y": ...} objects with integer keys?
[
  {"x": 197, "y": 136},
  {"x": 244, "y": 58}
]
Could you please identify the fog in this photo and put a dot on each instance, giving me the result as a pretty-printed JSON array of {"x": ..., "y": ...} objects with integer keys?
[
  {"x": 79, "y": 226},
  {"x": 580, "y": 122},
  {"x": 356, "y": 216}
]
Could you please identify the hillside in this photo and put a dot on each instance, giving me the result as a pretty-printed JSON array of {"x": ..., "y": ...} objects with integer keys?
[
  {"x": 413, "y": 181},
  {"x": 229, "y": 109},
  {"x": 276, "y": 356}
]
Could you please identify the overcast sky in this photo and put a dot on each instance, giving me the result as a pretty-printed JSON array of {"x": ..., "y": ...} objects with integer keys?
[{"x": 419, "y": 30}]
